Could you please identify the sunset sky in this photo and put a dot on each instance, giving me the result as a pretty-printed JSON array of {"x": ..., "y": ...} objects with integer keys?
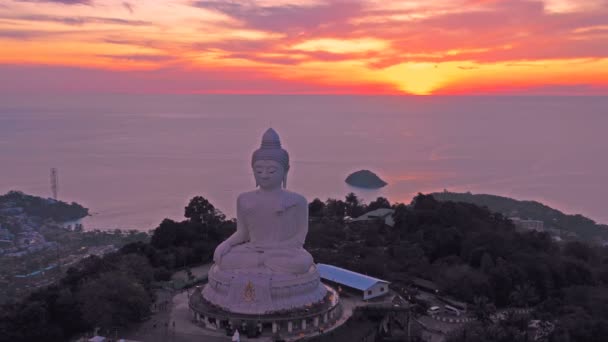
[{"x": 420, "y": 47}]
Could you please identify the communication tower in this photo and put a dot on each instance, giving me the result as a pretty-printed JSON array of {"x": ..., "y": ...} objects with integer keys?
[{"x": 54, "y": 183}]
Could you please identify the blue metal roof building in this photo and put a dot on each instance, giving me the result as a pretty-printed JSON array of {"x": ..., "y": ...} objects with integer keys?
[{"x": 370, "y": 286}]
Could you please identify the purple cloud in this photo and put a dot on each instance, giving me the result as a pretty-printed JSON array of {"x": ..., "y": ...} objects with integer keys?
[
  {"x": 23, "y": 34},
  {"x": 124, "y": 41},
  {"x": 77, "y": 21},
  {"x": 65, "y": 2},
  {"x": 286, "y": 60},
  {"x": 237, "y": 45},
  {"x": 285, "y": 18},
  {"x": 128, "y": 6},
  {"x": 142, "y": 58}
]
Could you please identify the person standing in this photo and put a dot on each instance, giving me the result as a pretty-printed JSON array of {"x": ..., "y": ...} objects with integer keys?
[{"x": 236, "y": 337}]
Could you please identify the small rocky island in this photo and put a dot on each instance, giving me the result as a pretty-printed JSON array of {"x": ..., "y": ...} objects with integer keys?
[{"x": 365, "y": 179}]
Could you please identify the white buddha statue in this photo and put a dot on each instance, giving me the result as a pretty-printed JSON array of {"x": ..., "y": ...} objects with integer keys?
[{"x": 263, "y": 266}]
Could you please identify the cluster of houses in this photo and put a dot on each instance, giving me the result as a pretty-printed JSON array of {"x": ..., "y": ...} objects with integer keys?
[
  {"x": 5, "y": 236},
  {"x": 539, "y": 226},
  {"x": 24, "y": 240},
  {"x": 523, "y": 224},
  {"x": 23, "y": 237}
]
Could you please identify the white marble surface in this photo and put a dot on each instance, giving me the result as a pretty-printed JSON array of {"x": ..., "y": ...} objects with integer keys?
[{"x": 263, "y": 266}]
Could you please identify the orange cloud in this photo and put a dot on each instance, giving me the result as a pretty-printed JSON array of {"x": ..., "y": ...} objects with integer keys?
[{"x": 363, "y": 46}]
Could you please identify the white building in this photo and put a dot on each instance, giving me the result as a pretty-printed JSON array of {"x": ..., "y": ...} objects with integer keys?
[
  {"x": 528, "y": 224},
  {"x": 382, "y": 214},
  {"x": 98, "y": 339},
  {"x": 369, "y": 287}
]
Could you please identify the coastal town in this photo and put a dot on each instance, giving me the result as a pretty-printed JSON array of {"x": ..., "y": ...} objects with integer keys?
[{"x": 37, "y": 248}]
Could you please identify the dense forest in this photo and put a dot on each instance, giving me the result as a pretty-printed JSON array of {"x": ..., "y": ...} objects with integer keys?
[
  {"x": 476, "y": 256},
  {"x": 41, "y": 208},
  {"x": 582, "y": 226},
  {"x": 473, "y": 254}
]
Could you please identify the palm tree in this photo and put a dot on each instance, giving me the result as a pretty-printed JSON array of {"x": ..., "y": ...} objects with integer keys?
[
  {"x": 483, "y": 309},
  {"x": 523, "y": 295}
]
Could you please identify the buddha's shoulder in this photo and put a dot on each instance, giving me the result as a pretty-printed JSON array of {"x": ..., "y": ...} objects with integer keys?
[
  {"x": 289, "y": 196},
  {"x": 246, "y": 196},
  {"x": 295, "y": 197}
]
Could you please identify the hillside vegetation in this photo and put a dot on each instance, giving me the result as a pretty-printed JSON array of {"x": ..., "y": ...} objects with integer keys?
[
  {"x": 582, "y": 226},
  {"x": 473, "y": 254},
  {"x": 41, "y": 208}
]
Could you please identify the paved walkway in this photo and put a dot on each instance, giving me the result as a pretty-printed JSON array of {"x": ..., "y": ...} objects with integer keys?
[
  {"x": 174, "y": 324},
  {"x": 187, "y": 330},
  {"x": 198, "y": 272},
  {"x": 437, "y": 330},
  {"x": 453, "y": 319}
]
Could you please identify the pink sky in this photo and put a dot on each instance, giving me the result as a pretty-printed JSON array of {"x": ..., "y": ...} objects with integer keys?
[{"x": 305, "y": 46}]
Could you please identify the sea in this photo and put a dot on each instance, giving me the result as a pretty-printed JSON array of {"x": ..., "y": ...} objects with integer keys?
[{"x": 134, "y": 160}]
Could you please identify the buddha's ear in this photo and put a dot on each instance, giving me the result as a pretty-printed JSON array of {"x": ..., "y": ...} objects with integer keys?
[{"x": 285, "y": 181}]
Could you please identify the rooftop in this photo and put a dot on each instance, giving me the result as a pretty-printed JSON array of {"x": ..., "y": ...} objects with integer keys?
[
  {"x": 382, "y": 213},
  {"x": 425, "y": 283},
  {"x": 349, "y": 278}
]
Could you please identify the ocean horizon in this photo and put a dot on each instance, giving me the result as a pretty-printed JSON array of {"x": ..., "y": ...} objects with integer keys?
[{"x": 136, "y": 159}]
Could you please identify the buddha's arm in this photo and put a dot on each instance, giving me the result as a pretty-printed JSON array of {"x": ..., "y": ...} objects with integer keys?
[
  {"x": 240, "y": 236},
  {"x": 301, "y": 215},
  {"x": 242, "y": 233}
]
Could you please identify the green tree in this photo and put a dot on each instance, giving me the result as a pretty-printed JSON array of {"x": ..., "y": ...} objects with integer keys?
[
  {"x": 407, "y": 257},
  {"x": 189, "y": 274},
  {"x": 114, "y": 300},
  {"x": 483, "y": 309},
  {"x": 335, "y": 208},
  {"x": 354, "y": 206},
  {"x": 463, "y": 282},
  {"x": 425, "y": 203},
  {"x": 165, "y": 235},
  {"x": 523, "y": 295},
  {"x": 316, "y": 208},
  {"x": 579, "y": 250},
  {"x": 487, "y": 264},
  {"x": 403, "y": 219},
  {"x": 379, "y": 203},
  {"x": 138, "y": 267},
  {"x": 200, "y": 210}
]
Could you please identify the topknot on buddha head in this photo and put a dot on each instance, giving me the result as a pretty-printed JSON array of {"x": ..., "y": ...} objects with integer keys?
[{"x": 271, "y": 150}]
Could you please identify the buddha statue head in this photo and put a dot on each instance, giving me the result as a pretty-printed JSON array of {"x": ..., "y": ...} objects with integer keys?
[{"x": 270, "y": 162}]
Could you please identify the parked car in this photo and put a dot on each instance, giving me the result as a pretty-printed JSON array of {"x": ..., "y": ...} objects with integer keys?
[
  {"x": 433, "y": 310},
  {"x": 452, "y": 310}
]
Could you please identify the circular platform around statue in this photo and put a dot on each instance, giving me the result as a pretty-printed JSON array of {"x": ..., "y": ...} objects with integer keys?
[
  {"x": 303, "y": 320},
  {"x": 261, "y": 291}
]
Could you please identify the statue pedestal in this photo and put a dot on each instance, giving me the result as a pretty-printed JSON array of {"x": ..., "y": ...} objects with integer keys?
[
  {"x": 304, "y": 320},
  {"x": 261, "y": 291}
]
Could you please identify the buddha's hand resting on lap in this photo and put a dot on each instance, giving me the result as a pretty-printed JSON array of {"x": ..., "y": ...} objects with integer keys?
[{"x": 221, "y": 250}]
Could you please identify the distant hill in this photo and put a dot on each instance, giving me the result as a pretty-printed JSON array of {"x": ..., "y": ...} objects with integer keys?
[
  {"x": 16, "y": 202},
  {"x": 582, "y": 226}
]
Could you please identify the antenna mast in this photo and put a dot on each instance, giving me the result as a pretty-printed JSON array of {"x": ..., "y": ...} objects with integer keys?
[{"x": 54, "y": 182}]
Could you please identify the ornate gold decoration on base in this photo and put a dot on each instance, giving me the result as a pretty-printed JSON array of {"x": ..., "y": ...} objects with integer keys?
[{"x": 249, "y": 293}]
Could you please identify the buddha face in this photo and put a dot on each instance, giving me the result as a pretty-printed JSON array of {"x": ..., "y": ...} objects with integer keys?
[{"x": 268, "y": 174}]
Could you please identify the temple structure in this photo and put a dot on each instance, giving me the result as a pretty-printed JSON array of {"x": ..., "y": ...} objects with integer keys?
[{"x": 262, "y": 275}]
